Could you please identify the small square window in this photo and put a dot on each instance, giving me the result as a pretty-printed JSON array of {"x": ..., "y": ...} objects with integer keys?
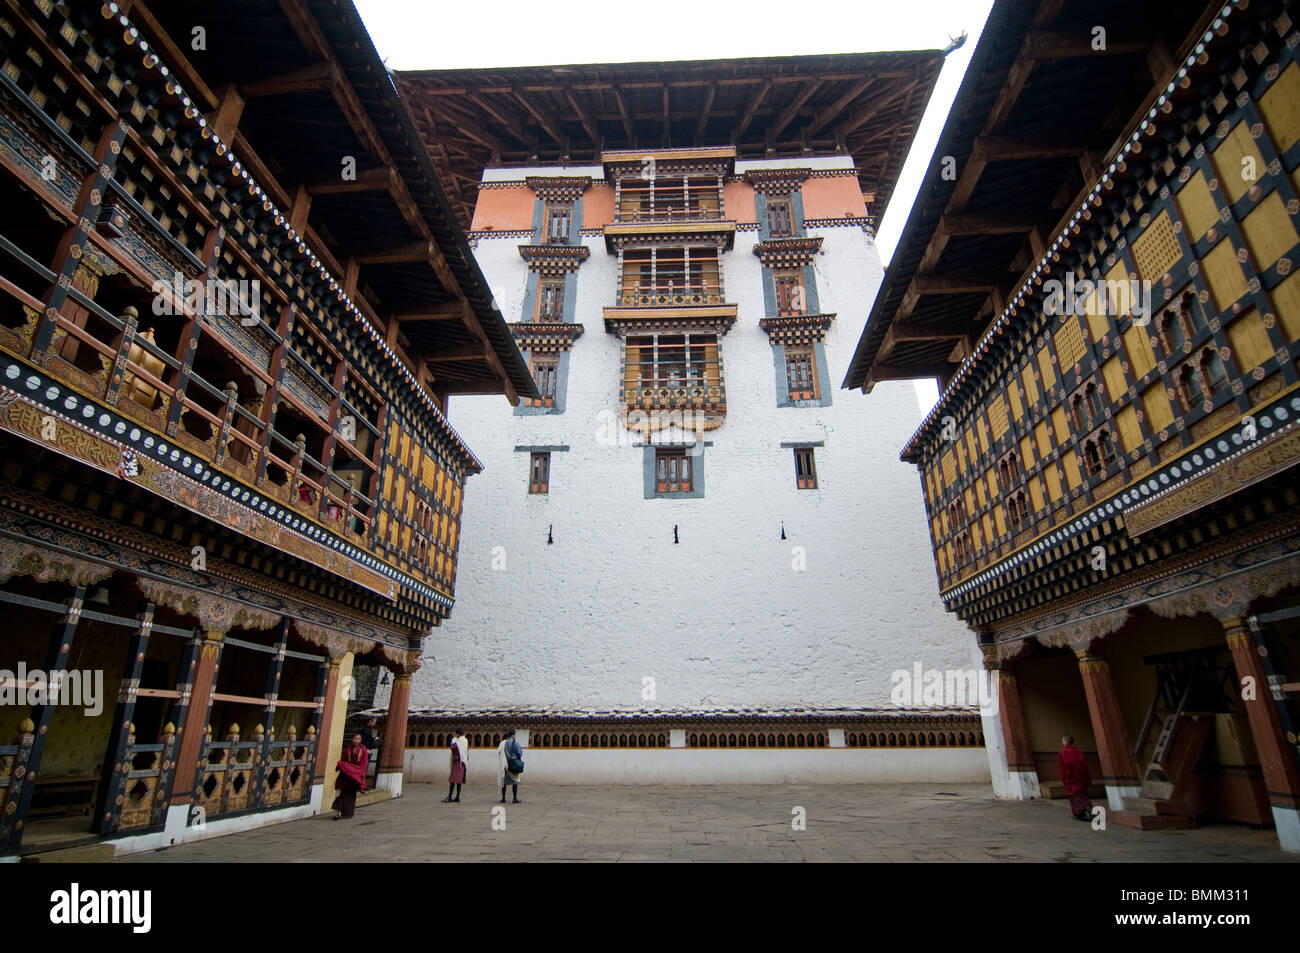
[
  {"x": 779, "y": 217},
  {"x": 801, "y": 373},
  {"x": 550, "y": 300},
  {"x": 559, "y": 217},
  {"x": 672, "y": 471},
  {"x": 545, "y": 372},
  {"x": 539, "y": 472},
  {"x": 791, "y": 299},
  {"x": 805, "y": 469}
]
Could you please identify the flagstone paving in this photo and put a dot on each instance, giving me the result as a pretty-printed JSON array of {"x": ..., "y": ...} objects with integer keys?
[{"x": 881, "y": 823}]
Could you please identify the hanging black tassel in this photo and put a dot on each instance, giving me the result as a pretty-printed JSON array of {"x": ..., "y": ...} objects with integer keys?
[
  {"x": 675, "y": 534},
  {"x": 550, "y": 536}
]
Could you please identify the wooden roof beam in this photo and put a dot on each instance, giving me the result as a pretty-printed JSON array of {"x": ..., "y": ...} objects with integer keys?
[
  {"x": 990, "y": 148},
  {"x": 1044, "y": 44},
  {"x": 746, "y": 119},
  {"x": 824, "y": 117},
  {"x": 587, "y": 122},
  {"x": 378, "y": 179},
  {"x": 547, "y": 126},
  {"x": 889, "y": 372},
  {"x": 398, "y": 254},
  {"x": 461, "y": 352},
  {"x": 787, "y": 116},
  {"x": 985, "y": 223},
  {"x": 955, "y": 284},
  {"x": 316, "y": 78},
  {"x": 625, "y": 116},
  {"x": 703, "y": 121},
  {"x": 873, "y": 109},
  {"x": 442, "y": 311}
]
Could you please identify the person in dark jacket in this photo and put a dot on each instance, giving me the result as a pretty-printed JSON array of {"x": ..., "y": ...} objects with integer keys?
[
  {"x": 507, "y": 752},
  {"x": 1076, "y": 778}
]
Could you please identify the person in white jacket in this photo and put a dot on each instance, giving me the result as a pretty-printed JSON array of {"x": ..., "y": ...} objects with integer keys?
[{"x": 507, "y": 750}]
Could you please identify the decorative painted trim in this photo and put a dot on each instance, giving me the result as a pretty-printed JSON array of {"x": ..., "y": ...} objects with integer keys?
[
  {"x": 171, "y": 472},
  {"x": 554, "y": 259},
  {"x": 776, "y": 181},
  {"x": 718, "y": 232},
  {"x": 797, "y": 329},
  {"x": 214, "y": 613},
  {"x": 45, "y": 565},
  {"x": 716, "y": 318},
  {"x": 536, "y": 336},
  {"x": 788, "y": 252},
  {"x": 503, "y": 233},
  {"x": 1233, "y": 463},
  {"x": 867, "y": 223},
  {"x": 558, "y": 188}
]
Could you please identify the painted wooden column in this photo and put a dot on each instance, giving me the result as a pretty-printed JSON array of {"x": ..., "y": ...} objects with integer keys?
[
  {"x": 265, "y": 731},
  {"x": 118, "y": 764},
  {"x": 1114, "y": 747},
  {"x": 199, "y": 694},
  {"x": 323, "y": 718},
  {"x": 1276, "y": 762},
  {"x": 22, "y": 787},
  {"x": 1015, "y": 736},
  {"x": 392, "y": 753}
]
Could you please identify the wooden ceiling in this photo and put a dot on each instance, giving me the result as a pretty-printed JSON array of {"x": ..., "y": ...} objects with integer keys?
[
  {"x": 300, "y": 91},
  {"x": 1040, "y": 113},
  {"x": 868, "y": 104}
]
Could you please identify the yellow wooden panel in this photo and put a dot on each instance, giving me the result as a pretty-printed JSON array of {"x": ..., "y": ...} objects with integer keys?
[
  {"x": 1155, "y": 404},
  {"x": 1268, "y": 230},
  {"x": 1061, "y": 427},
  {"x": 979, "y": 491},
  {"x": 1026, "y": 454},
  {"x": 1156, "y": 250},
  {"x": 1196, "y": 203},
  {"x": 1130, "y": 433},
  {"x": 984, "y": 435},
  {"x": 949, "y": 464},
  {"x": 998, "y": 416},
  {"x": 1045, "y": 366},
  {"x": 970, "y": 500},
  {"x": 1286, "y": 301},
  {"x": 1228, "y": 159},
  {"x": 1069, "y": 342},
  {"x": 1224, "y": 274},
  {"x": 383, "y": 522},
  {"x": 1141, "y": 356},
  {"x": 961, "y": 456},
  {"x": 1031, "y": 386},
  {"x": 970, "y": 443},
  {"x": 1053, "y": 483},
  {"x": 1250, "y": 344},
  {"x": 1099, "y": 323},
  {"x": 1071, "y": 463},
  {"x": 1001, "y": 521},
  {"x": 1280, "y": 107},
  {"x": 1113, "y": 374},
  {"x": 991, "y": 478},
  {"x": 1036, "y": 495},
  {"x": 1044, "y": 439},
  {"x": 1013, "y": 397}
]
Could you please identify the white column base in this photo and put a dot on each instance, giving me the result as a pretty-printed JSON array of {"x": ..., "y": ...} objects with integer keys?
[
  {"x": 317, "y": 797},
  {"x": 1115, "y": 794},
  {"x": 1022, "y": 786},
  {"x": 1287, "y": 820},
  {"x": 390, "y": 781}
]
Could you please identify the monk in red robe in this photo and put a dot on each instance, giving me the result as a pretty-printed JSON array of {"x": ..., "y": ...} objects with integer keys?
[
  {"x": 1075, "y": 777},
  {"x": 352, "y": 777}
]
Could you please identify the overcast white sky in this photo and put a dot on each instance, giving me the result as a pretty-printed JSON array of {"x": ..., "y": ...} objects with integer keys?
[{"x": 437, "y": 34}]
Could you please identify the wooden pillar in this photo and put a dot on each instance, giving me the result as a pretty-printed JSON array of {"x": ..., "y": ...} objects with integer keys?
[
  {"x": 327, "y": 697},
  {"x": 1276, "y": 761},
  {"x": 198, "y": 692},
  {"x": 1015, "y": 737},
  {"x": 392, "y": 753},
  {"x": 117, "y": 766},
  {"x": 266, "y": 734},
  {"x": 1114, "y": 747},
  {"x": 22, "y": 788}
]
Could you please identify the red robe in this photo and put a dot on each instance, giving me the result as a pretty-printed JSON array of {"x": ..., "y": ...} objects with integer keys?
[
  {"x": 1075, "y": 777},
  {"x": 352, "y": 767}
]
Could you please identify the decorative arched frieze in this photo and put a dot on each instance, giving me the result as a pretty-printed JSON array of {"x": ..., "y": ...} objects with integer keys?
[
  {"x": 215, "y": 613},
  {"x": 44, "y": 565}
]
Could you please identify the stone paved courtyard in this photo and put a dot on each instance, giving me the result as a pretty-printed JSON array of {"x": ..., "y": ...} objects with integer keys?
[{"x": 752, "y": 823}]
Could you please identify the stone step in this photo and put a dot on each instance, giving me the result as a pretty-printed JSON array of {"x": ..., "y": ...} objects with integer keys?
[
  {"x": 1152, "y": 822},
  {"x": 100, "y": 853},
  {"x": 373, "y": 796},
  {"x": 1149, "y": 805}
]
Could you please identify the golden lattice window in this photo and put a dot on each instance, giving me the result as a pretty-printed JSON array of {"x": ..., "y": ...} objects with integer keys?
[
  {"x": 1156, "y": 250},
  {"x": 998, "y": 416},
  {"x": 1069, "y": 343},
  {"x": 949, "y": 464}
]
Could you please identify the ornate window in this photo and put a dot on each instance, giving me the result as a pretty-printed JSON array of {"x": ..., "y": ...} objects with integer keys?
[
  {"x": 559, "y": 220},
  {"x": 1107, "y": 447},
  {"x": 1017, "y": 509},
  {"x": 1092, "y": 398},
  {"x": 1078, "y": 413},
  {"x": 805, "y": 468},
  {"x": 546, "y": 374},
  {"x": 791, "y": 299},
  {"x": 539, "y": 472},
  {"x": 672, "y": 471},
  {"x": 1213, "y": 374},
  {"x": 801, "y": 373},
  {"x": 550, "y": 300},
  {"x": 780, "y": 218},
  {"x": 1190, "y": 391}
]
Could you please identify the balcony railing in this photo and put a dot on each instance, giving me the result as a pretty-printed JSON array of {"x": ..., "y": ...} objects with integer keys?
[
  {"x": 678, "y": 393},
  {"x": 671, "y": 294},
  {"x": 671, "y": 213}
]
